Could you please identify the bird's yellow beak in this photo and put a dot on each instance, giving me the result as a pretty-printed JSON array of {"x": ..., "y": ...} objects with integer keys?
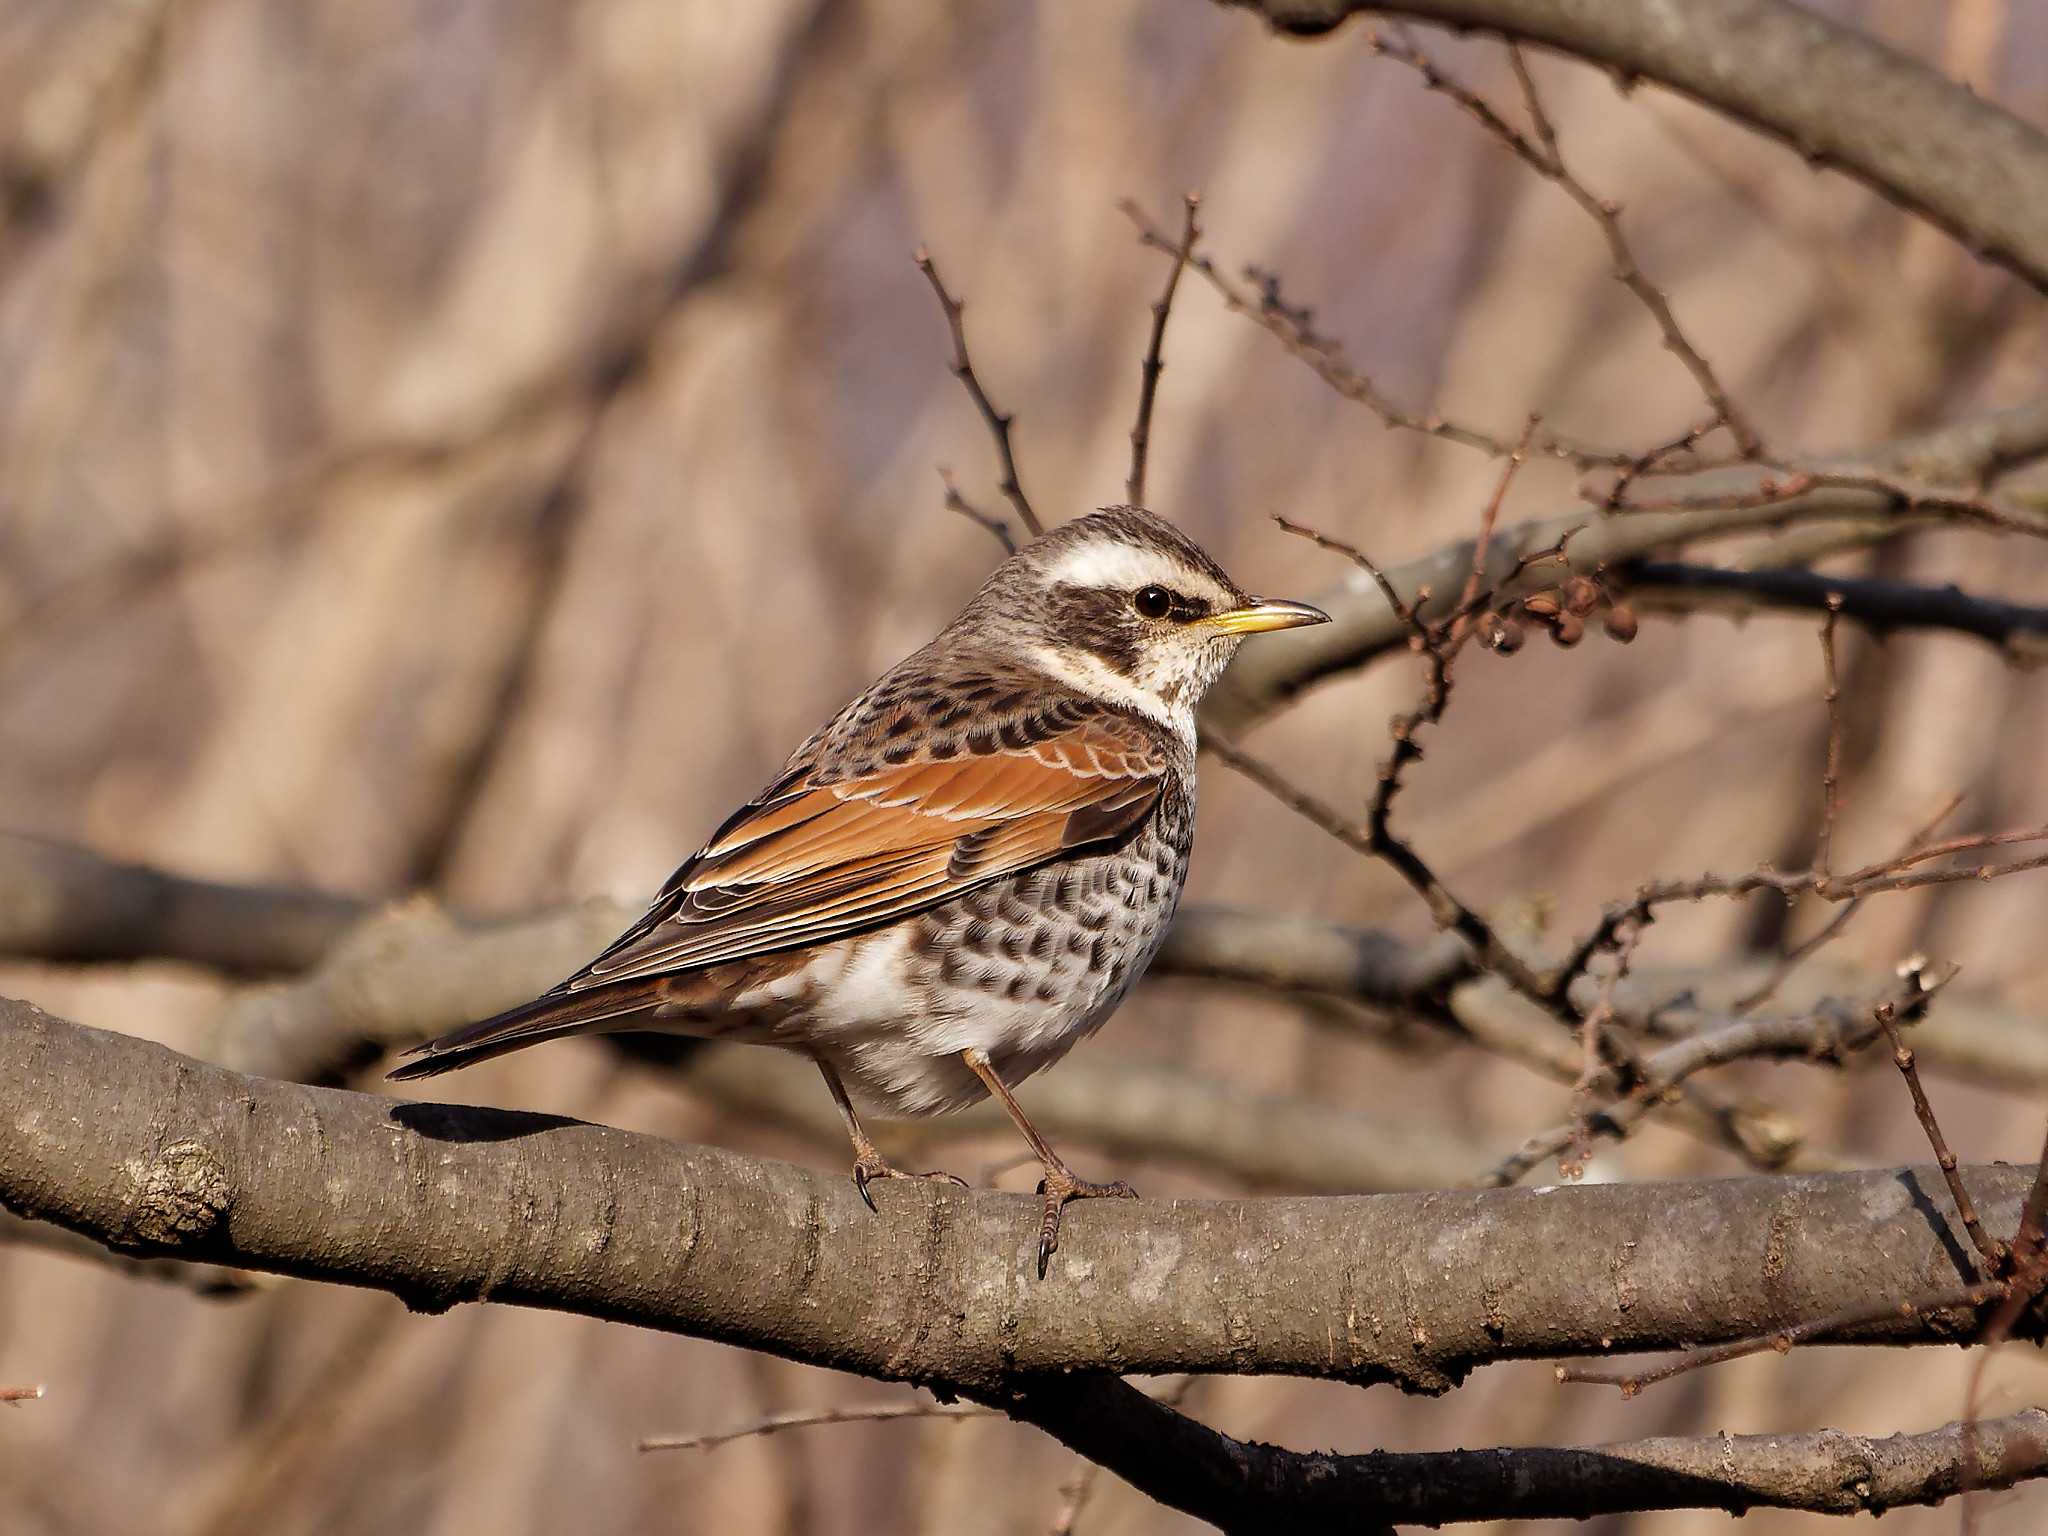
[{"x": 1262, "y": 614}]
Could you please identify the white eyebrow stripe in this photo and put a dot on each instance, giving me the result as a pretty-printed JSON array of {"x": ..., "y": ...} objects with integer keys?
[{"x": 1107, "y": 564}]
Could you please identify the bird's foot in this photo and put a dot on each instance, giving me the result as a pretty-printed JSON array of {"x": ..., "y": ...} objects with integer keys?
[
  {"x": 1060, "y": 1185},
  {"x": 868, "y": 1165}
]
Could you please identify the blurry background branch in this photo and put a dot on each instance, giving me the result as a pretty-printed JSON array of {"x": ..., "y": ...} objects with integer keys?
[
  {"x": 377, "y": 980},
  {"x": 385, "y": 977},
  {"x": 66, "y": 904},
  {"x": 100, "y": 84},
  {"x": 214, "y": 1281}
]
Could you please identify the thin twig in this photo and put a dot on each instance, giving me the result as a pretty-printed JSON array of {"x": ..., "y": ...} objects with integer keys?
[
  {"x": 1800, "y": 953},
  {"x": 1379, "y": 837},
  {"x": 1288, "y": 326},
  {"x": 1154, "y": 362},
  {"x": 1652, "y": 460},
  {"x": 1969, "y": 843},
  {"x": 1593, "y": 1055},
  {"x": 1796, "y": 956},
  {"x": 1542, "y": 155},
  {"x": 1438, "y": 645},
  {"x": 1489, "y": 518},
  {"x": 806, "y": 1418},
  {"x": 1830, "y": 1033},
  {"x": 2026, "y": 1263},
  {"x": 1608, "y": 215},
  {"x": 2027, "y": 1272},
  {"x": 1994, "y": 1252},
  {"x": 2030, "y": 1239},
  {"x": 1784, "y": 482},
  {"x": 1358, "y": 557},
  {"x": 1912, "y": 496},
  {"x": 1872, "y": 880},
  {"x": 1831, "y": 770},
  {"x": 963, "y": 370},
  {"x": 1783, "y": 1339},
  {"x": 955, "y": 502},
  {"x": 1778, "y": 485},
  {"x": 21, "y": 1394},
  {"x": 1443, "y": 904}
]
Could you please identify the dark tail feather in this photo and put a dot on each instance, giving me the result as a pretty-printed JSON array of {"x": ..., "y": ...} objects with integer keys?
[{"x": 545, "y": 1018}]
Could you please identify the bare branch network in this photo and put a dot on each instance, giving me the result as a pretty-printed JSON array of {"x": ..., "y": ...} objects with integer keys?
[
  {"x": 1831, "y": 93},
  {"x": 394, "y": 977}
]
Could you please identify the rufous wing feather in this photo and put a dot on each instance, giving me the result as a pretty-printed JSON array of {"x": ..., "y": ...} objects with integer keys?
[{"x": 819, "y": 858}]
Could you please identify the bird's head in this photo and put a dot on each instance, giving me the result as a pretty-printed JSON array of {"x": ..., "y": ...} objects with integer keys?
[{"x": 1123, "y": 605}]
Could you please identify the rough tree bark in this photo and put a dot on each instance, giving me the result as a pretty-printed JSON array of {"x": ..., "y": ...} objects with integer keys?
[{"x": 158, "y": 1156}]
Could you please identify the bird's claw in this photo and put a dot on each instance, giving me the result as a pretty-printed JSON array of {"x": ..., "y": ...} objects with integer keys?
[
  {"x": 1058, "y": 1187},
  {"x": 870, "y": 1165}
]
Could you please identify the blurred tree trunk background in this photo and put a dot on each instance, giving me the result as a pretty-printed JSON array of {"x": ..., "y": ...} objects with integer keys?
[{"x": 463, "y": 447}]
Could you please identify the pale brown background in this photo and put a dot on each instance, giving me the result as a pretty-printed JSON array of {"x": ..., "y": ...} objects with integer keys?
[{"x": 293, "y": 373}]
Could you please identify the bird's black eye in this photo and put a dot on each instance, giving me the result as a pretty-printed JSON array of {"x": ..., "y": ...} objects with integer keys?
[{"x": 1152, "y": 602}]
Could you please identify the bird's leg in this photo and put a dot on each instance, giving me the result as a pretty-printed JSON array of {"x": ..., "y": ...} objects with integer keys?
[
  {"x": 868, "y": 1162},
  {"x": 1060, "y": 1183}
]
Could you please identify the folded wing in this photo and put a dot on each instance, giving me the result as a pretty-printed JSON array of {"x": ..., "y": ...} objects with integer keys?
[{"x": 818, "y": 857}]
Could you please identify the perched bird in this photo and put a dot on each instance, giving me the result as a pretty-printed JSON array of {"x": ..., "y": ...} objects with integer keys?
[{"x": 964, "y": 872}]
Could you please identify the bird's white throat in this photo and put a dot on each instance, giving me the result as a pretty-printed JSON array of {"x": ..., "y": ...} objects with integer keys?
[{"x": 1089, "y": 674}]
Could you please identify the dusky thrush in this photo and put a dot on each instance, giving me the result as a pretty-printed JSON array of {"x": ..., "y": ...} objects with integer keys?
[{"x": 964, "y": 872}]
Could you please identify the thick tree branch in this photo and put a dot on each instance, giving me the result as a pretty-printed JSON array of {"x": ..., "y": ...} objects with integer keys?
[
  {"x": 161, "y": 1156},
  {"x": 1254, "y": 1487},
  {"x": 60, "y": 902},
  {"x": 391, "y": 978},
  {"x": 2018, "y": 631},
  {"x": 1838, "y": 97},
  {"x": 1244, "y": 1484},
  {"x": 1827, "y": 1472}
]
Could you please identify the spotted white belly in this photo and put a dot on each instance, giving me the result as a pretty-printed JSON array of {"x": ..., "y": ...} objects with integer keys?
[{"x": 1021, "y": 969}]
